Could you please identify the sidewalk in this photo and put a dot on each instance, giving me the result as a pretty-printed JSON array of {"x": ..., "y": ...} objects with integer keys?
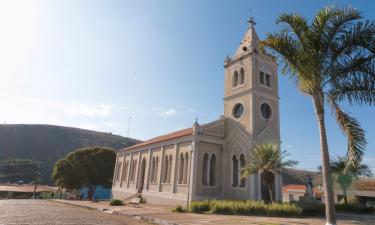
[{"x": 162, "y": 215}]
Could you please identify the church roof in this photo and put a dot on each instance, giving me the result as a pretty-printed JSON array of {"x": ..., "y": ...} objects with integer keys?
[
  {"x": 249, "y": 41},
  {"x": 176, "y": 134}
]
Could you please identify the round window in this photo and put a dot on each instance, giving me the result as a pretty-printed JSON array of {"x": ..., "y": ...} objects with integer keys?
[
  {"x": 266, "y": 111},
  {"x": 238, "y": 110}
]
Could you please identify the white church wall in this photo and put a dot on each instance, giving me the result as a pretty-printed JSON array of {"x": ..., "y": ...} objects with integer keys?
[{"x": 209, "y": 189}]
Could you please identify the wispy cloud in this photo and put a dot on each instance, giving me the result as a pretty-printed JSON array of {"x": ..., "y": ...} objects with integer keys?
[
  {"x": 191, "y": 110},
  {"x": 74, "y": 108},
  {"x": 43, "y": 110},
  {"x": 169, "y": 112},
  {"x": 160, "y": 111}
]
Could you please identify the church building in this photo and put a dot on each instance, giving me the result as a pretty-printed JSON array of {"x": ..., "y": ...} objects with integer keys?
[{"x": 204, "y": 161}]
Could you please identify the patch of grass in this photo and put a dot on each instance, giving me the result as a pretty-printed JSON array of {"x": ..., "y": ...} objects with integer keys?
[
  {"x": 199, "y": 206},
  {"x": 354, "y": 208},
  {"x": 311, "y": 208},
  {"x": 143, "y": 200},
  {"x": 116, "y": 202},
  {"x": 179, "y": 209},
  {"x": 245, "y": 208},
  {"x": 314, "y": 208}
]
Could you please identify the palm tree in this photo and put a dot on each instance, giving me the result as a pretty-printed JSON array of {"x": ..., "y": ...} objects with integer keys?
[
  {"x": 266, "y": 160},
  {"x": 331, "y": 60},
  {"x": 344, "y": 175}
]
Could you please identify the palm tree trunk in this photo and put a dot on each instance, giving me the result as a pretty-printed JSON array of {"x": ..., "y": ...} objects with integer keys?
[
  {"x": 270, "y": 191},
  {"x": 328, "y": 188},
  {"x": 345, "y": 196}
]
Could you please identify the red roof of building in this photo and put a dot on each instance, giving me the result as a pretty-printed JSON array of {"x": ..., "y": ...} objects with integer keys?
[
  {"x": 26, "y": 188},
  {"x": 299, "y": 187},
  {"x": 173, "y": 135}
]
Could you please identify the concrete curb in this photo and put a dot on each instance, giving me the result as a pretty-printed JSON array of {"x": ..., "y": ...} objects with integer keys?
[{"x": 149, "y": 219}]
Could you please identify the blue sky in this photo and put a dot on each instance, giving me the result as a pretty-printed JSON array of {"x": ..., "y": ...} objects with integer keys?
[{"x": 94, "y": 64}]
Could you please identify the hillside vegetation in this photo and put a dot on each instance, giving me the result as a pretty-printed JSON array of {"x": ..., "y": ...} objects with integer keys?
[{"x": 48, "y": 143}]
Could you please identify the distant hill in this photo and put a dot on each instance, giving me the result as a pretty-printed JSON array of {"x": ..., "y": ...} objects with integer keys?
[
  {"x": 49, "y": 143},
  {"x": 298, "y": 176}
]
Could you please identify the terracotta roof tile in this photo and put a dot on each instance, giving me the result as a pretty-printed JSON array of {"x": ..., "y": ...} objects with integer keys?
[
  {"x": 26, "y": 188},
  {"x": 366, "y": 185},
  {"x": 299, "y": 187},
  {"x": 294, "y": 187},
  {"x": 176, "y": 134}
]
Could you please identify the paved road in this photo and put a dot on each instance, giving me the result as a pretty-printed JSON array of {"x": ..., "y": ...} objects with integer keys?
[{"x": 41, "y": 212}]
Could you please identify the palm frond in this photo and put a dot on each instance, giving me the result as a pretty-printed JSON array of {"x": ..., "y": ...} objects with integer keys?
[
  {"x": 354, "y": 44},
  {"x": 354, "y": 133},
  {"x": 266, "y": 158},
  {"x": 296, "y": 26},
  {"x": 339, "y": 166},
  {"x": 357, "y": 91},
  {"x": 295, "y": 61},
  {"x": 340, "y": 21},
  {"x": 319, "y": 26}
]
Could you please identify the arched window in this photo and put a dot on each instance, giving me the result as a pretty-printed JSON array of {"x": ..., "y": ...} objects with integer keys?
[
  {"x": 242, "y": 165},
  {"x": 234, "y": 171},
  {"x": 186, "y": 166},
  {"x": 212, "y": 170},
  {"x": 152, "y": 169},
  {"x": 242, "y": 76},
  {"x": 235, "y": 79},
  {"x": 165, "y": 174},
  {"x": 169, "y": 169},
  {"x": 205, "y": 169},
  {"x": 118, "y": 170},
  {"x": 132, "y": 169},
  {"x": 156, "y": 169},
  {"x": 181, "y": 169},
  {"x": 135, "y": 169},
  {"x": 124, "y": 173}
]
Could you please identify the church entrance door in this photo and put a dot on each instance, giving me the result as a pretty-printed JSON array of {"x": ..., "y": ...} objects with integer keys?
[{"x": 142, "y": 176}]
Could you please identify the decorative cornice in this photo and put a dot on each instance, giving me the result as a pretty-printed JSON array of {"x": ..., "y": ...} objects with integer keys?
[{"x": 249, "y": 91}]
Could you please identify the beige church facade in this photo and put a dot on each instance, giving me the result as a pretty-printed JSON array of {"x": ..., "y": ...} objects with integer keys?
[{"x": 204, "y": 161}]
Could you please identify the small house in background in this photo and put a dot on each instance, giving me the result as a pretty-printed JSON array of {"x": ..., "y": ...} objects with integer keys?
[
  {"x": 25, "y": 191},
  {"x": 361, "y": 190},
  {"x": 296, "y": 192}
]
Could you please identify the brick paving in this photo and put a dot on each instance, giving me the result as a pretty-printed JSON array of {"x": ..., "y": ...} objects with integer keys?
[
  {"x": 42, "y": 212},
  {"x": 164, "y": 214}
]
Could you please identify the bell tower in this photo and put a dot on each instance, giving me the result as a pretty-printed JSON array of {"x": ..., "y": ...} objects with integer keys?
[{"x": 251, "y": 88}]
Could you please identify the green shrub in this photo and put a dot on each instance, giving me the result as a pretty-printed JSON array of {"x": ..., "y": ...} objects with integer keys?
[
  {"x": 284, "y": 209},
  {"x": 311, "y": 208},
  {"x": 143, "y": 200},
  {"x": 116, "y": 202},
  {"x": 354, "y": 208},
  {"x": 199, "y": 206},
  {"x": 179, "y": 209},
  {"x": 246, "y": 208}
]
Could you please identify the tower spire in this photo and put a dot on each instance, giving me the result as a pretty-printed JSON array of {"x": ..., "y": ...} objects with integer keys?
[{"x": 251, "y": 19}]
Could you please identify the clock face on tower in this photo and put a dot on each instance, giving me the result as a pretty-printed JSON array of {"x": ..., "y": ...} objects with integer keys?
[
  {"x": 238, "y": 110},
  {"x": 266, "y": 111}
]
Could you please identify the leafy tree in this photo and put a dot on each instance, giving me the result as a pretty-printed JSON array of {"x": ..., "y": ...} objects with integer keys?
[
  {"x": 344, "y": 175},
  {"x": 15, "y": 170},
  {"x": 267, "y": 160},
  {"x": 332, "y": 61},
  {"x": 86, "y": 167}
]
